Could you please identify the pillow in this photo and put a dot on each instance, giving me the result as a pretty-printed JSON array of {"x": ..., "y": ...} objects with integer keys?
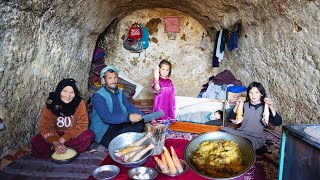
[
  {"x": 139, "y": 87},
  {"x": 198, "y": 117},
  {"x": 94, "y": 77},
  {"x": 128, "y": 88},
  {"x": 186, "y": 105}
]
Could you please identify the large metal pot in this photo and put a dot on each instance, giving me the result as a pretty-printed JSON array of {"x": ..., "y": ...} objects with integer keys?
[{"x": 245, "y": 148}]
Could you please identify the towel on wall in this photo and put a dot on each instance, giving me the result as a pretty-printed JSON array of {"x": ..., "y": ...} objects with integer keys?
[{"x": 233, "y": 41}]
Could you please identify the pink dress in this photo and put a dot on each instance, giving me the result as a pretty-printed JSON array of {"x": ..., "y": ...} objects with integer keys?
[{"x": 164, "y": 100}]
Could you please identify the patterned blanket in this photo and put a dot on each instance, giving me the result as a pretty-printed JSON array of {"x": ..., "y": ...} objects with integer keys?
[{"x": 29, "y": 167}]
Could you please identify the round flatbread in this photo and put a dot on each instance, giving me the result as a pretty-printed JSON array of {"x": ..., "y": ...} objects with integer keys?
[{"x": 68, "y": 155}]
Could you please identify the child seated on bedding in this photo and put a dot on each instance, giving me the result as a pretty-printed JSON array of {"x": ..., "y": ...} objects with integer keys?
[{"x": 203, "y": 117}]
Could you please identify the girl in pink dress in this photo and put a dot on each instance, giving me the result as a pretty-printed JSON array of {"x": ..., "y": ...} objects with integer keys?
[{"x": 164, "y": 91}]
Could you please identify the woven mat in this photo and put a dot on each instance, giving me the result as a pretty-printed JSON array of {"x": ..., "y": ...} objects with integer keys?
[{"x": 29, "y": 167}]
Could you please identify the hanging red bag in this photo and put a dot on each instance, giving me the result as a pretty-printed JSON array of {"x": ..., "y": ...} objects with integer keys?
[{"x": 135, "y": 31}]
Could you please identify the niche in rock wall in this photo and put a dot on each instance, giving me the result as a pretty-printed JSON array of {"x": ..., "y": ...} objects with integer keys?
[{"x": 191, "y": 64}]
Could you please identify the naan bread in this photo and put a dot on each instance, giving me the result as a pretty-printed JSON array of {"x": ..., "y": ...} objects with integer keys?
[{"x": 69, "y": 154}]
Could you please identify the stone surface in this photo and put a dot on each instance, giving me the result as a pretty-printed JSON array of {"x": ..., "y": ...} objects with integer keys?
[
  {"x": 191, "y": 64},
  {"x": 43, "y": 41}
]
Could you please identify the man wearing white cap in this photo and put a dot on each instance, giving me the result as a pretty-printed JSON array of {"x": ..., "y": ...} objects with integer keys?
[{"x": 113, "y": 114}]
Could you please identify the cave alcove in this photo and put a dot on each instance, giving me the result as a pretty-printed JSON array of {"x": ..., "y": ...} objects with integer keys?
[{"x": 43, "y": 41}]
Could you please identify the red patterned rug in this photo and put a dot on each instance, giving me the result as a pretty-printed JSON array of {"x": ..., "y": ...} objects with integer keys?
[{"x": 265, "y": 166}]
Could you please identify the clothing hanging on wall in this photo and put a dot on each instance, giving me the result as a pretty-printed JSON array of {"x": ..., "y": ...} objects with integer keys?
[
  {"x": 233, "y": 41},
  {"x": 215, "y": 62},
  {"x": 219, "y": 54}
]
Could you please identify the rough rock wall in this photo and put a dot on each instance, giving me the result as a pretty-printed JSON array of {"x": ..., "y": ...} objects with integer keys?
[
  {"x": 40, "y": 45},
  {"x": 191, "y": 64},
  {"x": 282, "y": 52}
]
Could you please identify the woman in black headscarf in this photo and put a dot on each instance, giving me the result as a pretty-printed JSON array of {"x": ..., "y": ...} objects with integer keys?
[{"x": 63, "y": 123}]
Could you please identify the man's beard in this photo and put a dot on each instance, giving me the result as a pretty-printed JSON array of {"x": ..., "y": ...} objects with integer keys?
[{"x": 113, "y": 87}]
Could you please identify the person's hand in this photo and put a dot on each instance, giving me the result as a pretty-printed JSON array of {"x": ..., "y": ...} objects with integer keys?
[
  {"x": 157, "y": 69},
  {"x": 268, "y": 101},
  {"x": 135, "y": 118},
  {"x": 59, "y": 147},
  {"x": 157, "y": 88},
  {"x": 265, "y": 121},
  {"x": 237, "y": 121},
  {"x": 156, "y": 79},
  {"x": 240, "y": 99},
  {"x": 62, "y": 140}
]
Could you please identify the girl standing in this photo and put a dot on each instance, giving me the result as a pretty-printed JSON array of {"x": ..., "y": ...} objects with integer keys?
[
  {"x": 258, "y": 112},
  {"x": 164, "y": 90}
]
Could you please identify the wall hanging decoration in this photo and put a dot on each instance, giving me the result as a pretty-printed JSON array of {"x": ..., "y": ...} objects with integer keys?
[
  {"x": 172, "y": 24},
  {"x": 133, "y": 45},
  {"x": 135, "y": 31},
  {"x": 133, "y": 41}
]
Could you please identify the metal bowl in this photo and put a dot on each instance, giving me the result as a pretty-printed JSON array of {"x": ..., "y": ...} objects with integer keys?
[
  {"x": 183, "y": 164},
  {"x": 142, "y": 170},
  {"x": 124, "y": 140},
  {"x": 245, "y": 147},
  {"x": 106, "y": 172}
]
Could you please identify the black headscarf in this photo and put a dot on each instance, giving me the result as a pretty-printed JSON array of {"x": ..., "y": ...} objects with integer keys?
[{"x": 57, "y": 106}]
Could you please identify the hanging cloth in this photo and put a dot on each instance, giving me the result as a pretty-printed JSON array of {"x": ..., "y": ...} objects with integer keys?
[
  {"x": 224, "y": 39},
  {"x": 233, "y": 41},
  {"x": 218, "y": 53},
  {"x": 215, "y": 62}
]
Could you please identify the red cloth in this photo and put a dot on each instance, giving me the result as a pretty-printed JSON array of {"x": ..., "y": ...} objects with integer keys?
[
  {"x": 42, "y": 149},
  {"x": 177, "y": 144}
]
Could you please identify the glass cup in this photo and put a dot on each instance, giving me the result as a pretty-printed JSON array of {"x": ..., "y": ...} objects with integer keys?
[{"x": 158, "y": 136}]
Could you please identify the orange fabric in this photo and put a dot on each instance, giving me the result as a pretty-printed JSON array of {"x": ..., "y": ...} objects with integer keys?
[
  {"x": 193, "y": 127},
  {"x": 72, "y": 126}
]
